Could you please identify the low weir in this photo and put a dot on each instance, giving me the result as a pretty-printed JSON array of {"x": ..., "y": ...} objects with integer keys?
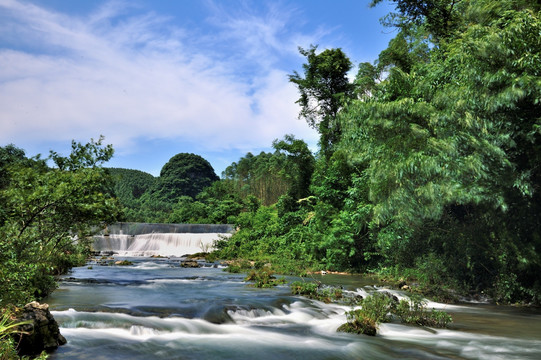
[{"x": 143, "y": 239}]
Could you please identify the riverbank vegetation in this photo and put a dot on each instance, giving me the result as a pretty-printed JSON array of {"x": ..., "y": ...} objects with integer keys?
[
  {"x": 381, "y": 308},
  {"x": 46, "y": 216}
]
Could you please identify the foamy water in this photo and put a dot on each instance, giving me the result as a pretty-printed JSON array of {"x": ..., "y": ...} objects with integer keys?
[
  {"x": 162, "y": 244},
  {"x": 157, "y": 309}
]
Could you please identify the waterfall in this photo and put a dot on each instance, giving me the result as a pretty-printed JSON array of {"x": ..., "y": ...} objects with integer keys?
[{"x": 138, "y": 239}]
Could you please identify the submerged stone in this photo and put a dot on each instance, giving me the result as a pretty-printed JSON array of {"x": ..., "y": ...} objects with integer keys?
[{"x": 189, "y": 264}]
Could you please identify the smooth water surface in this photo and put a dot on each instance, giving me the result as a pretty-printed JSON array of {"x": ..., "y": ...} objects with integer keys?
[{"x": 156, "y": 309}]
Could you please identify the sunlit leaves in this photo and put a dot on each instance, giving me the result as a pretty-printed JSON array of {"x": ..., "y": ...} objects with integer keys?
[{"x": 45, "y": 211}]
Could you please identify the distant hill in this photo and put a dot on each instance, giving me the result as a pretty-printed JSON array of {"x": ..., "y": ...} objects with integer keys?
[{"x": 130, "y": 185}]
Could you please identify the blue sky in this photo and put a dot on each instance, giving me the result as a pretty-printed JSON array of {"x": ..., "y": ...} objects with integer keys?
[{"x": 159, "y": 77}]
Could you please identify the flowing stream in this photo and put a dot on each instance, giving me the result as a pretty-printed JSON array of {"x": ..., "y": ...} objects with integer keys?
[{"x": 156, "y": 309}]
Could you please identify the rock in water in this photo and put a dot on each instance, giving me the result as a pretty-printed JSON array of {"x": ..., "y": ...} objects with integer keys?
[
  {"x": 41, "y": 334},
  {"x": 189, "y": 264}
]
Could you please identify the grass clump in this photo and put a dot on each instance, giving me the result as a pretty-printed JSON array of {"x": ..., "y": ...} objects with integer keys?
[
  {"x": 8, "y": 327},
  {"x": 264, "y": 278},
  {"x": 358, "y": 324},
  {"x": 315, "y": 291},
  {"x": 414, "y": 311},
  {"x": 238, "y": 266},
  {"x": 375, "y": 310},
  {"x": 308, "y": 289},
  {"x": 380, "y": 308}
]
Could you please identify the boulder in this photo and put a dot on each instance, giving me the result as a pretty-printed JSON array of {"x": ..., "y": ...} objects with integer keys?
[
  {"x": 41, "y": 333},
  {"x": 189, "y": 264},
  {"x": 123, "y": 263}
]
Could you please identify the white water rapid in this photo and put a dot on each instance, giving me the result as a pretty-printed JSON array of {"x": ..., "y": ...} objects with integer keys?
[
  {"x": 171, "y": 244},
  {"x": 176, "y": 240},
  {"x": 156, "y": 309}
]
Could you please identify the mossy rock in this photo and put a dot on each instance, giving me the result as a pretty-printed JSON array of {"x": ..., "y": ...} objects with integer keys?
[
  {"x": 123, "y": 263},
  {"x": 363, "y": 326}
]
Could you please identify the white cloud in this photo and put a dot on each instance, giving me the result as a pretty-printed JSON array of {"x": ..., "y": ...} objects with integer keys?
[{"x": 128, "y": 77}]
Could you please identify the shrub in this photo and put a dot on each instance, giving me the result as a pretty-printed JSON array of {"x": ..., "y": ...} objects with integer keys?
[
  {"x": 315, "y": 291},
  {"x": 264, "y": 278},
  {"x": 238, "y": 266},
  {"x": 413, "y": 311},
  {"x": 308, "y": 289},
  {"x": 358, "y": 324},
  {"x": 375, "y": 309},
  {"x": 378, "y": 308}
]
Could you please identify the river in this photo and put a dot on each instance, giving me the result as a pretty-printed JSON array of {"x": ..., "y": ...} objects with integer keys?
[{"x": 156, "y": 309}]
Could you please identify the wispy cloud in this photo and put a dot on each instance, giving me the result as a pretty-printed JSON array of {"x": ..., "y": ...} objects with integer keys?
[{"x": 132, "y": 74}]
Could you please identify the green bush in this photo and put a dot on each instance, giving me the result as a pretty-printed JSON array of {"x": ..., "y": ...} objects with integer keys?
[
  {"x": 413, "y": 311},
  {"x": 7, "y": 350},
  {"x": 358, "y": 324},
  {"x": 264, "y": 278},
  {"x": 308, "y": 289},
  {"x": 239, "y": 266},
  {"x": 378, "y": 308},
  {"x": 315, "y": 291}
]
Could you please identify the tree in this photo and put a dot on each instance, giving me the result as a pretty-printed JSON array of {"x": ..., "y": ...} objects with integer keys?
[
  {"x": 130, "y": 186},
  {"x": 451, "y": 148},
  {"x": 49, "y": 214},
  {"x": 264, "y": 176},
  {"x": 324, "y": 90},
  {"x": 440, "y": 17},
  {"x": 9, "y": 155},
  {"x": 184, "y": 174},
  {"x": 300, "y": 164}
]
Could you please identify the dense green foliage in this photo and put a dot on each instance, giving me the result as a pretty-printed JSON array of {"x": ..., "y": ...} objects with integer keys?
[
  {"x": 262, "y": 176},
  {"x": 323, "y": 89},
  {"x": 184, "y": 175},
  {"x": 451, "y": 146},
  {"x": 248, "y": 183},
  {"x": 169, "y": 197},
  {"x": 431, "y": 170},
  {"x": 188, "y": 190},
  {"x": 47, "y": 214},
  {"x": 129, "y": 188},
  {"x": 268, "y": 176}
]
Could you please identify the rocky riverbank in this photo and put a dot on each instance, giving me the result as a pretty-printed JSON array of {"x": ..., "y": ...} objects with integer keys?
[{"x": 40, "y": 333}]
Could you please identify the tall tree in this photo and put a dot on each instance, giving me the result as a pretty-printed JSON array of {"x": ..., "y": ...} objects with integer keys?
[
  {"x": 264, "y": 176},
  {"x": 440, "y": 17},
  {"x": 323, "y": 89},
  {"x": 300, "y": 165}
]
